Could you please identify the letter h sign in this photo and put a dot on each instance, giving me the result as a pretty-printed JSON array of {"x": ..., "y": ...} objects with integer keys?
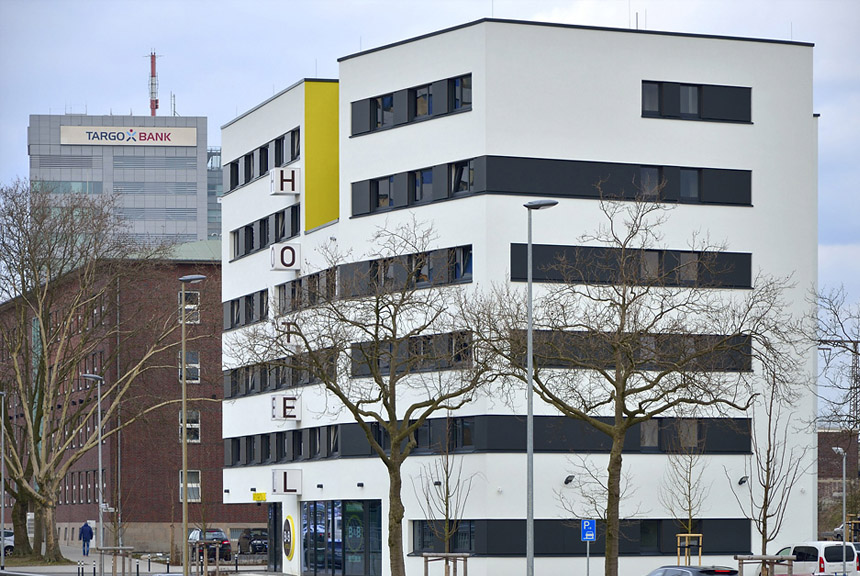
[
  {"x": 286, "y": 407},
  {"x": 285, "y": 181}
]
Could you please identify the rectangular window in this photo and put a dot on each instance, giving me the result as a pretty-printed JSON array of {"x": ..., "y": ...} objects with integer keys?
[
  {"x": 650, "y": 98},
  {"x": 234, "y": 175},
  {"x": 193, "y": 486},
  {"x": 462, "y": 176},
  {"x": 422, "y": 185},
  {"x": 424, "y": 101},
  {"x": 649, "y": 435},
  {"x": 688, "y": 268},
  {"x": 249, "y": 239},
  {"x": 280, "y": 226},
  {"x": 688, "y": 433},
  {"x": 249, "y": 168},
  {"x": 462, "y": 263},
  {"x": 250, "y": 308},
  {"x": 263, "y": 234},
  {"x": 235, "y": 313},
  {"x": 689, "y": 101},
  {"x": 279, "y": 151},
  {"x": 333, "y": 439},
  {"x": 192, "y": 365},
  {"x": 462, "y": 92},
  {"x": 384, "y": 106},
  {"x": 298, "y": 445},
  {"x": 690, "y": 178},
  {"x": 649, "y": 266},
  {"x": 295, "y": 144},
  {"x": 191, "y": 309},
  {"x": 192, "y": 426},
  {"x": 263, "y": 160},
  {"x": 649, "y": 182},
  {"x": 383, "y": 190}
]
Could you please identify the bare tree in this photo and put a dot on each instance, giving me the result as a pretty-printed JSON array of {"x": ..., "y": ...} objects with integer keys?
[
  {"x": 585, "y": 489},
  {"x": 442, "y": 491},
  {"x": 837, "y": 325},
  {"x": 627, "y": 331},
  {"x": 374, "y": 344},
  {"x": 776, "y": 463},
  {"x": 62, "y": 257},
  {"x": 684, "y": 488}
]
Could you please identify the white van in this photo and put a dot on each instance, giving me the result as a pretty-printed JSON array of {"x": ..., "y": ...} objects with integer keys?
[{"x": 819, "y": 559}]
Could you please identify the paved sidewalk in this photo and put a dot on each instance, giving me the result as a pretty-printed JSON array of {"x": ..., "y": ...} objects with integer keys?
[{"x": 75, "y": 554}]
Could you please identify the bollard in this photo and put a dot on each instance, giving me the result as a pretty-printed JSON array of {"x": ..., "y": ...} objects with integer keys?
[
  {"x": 149, "y": 564},
  {"x": 138, "y": 568},
  {"x": 236, "y": 561},
  {"x": 94, "y": 568},
  {"x": 168, "y": 565}
]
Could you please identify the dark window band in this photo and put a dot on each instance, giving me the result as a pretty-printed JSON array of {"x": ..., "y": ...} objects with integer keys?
[
  {"x": 596, "y": 265},
  {"x": 555, "y": 179},
  {"x": 696, "y": 102}
]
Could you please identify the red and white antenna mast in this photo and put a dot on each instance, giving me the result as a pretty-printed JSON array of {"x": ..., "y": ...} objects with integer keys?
[{"x": 153, "y": 85}]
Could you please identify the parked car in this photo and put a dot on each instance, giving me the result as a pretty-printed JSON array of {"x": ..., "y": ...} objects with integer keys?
[
  {"x": 214, "y": 540},
  {"x": 8, "y": 542},
  {"x": 254, "y": 541},
  {"x": 819, "y": 558},
  {"x": 692, "y": 571}
]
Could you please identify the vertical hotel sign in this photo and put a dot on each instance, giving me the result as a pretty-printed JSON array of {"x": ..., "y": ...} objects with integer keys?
[{"x": 128, "y": 136}]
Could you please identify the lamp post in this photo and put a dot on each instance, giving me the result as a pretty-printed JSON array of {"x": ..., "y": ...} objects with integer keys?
[
  {"x": 188, "y": 279},
  {"x": 530, "y": 448},
  {"x": 99, "y": 381},
  {"x": 3, "y": 481},
  {"x": 841, "y": 452}
]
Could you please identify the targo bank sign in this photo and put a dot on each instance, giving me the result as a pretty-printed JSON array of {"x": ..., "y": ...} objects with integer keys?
[{"x": 128, "y": 136}]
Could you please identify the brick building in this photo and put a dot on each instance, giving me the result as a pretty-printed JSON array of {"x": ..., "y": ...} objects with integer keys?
[{"x": 141, "y": 462}]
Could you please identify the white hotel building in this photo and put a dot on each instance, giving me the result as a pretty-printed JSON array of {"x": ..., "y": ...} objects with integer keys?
[{"x": 528, "y": 111}]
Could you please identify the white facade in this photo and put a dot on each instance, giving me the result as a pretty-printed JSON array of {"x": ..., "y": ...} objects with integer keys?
[{"x": 538, "y": 92}]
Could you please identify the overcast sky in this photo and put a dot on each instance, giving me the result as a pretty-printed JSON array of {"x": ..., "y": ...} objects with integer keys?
[{"x": 221, "y": 58}]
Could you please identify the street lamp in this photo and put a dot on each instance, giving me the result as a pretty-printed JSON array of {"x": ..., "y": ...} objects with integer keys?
[
  {"x": 189, "y": 279},
  {"x": 530, "y": 441},
  {"x": 99, "y": 381},
  {"x": 841, "y": 452},
  {"x": 3, "y": 482}
]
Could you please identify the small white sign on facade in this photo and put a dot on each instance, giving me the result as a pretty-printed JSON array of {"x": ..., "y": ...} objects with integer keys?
[
  {"x": 285, "y": 181},
  {"x": 286, "y": 256},
  {"x": 286, "y": 407},
  {"x": 287, "y": 481}
]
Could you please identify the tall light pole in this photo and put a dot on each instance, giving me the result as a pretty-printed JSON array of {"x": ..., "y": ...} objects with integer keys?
[
  {"x": 3, "y": 481},
  {"x": 99, "y": 381},
  {"x": 841, "y": 452},
  {"x": 530, "y": 441},
  {"x": 189, "y": 279}
]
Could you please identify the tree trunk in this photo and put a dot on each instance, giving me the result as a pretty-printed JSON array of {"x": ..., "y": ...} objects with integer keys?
[
  {"x": 52, "y": 546},
  {"x": 38, "y": 529},
  {"x": 19, "y": 525},
  {"x": 395, "y": 520},
  {"x": 613, "y": 502}
]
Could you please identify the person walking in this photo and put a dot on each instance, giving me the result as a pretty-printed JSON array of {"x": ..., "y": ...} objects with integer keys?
[{"x": 85, "y": 534}]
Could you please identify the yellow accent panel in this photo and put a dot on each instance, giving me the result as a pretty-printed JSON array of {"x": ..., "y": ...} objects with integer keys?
[{"x": 320, "y": 153}]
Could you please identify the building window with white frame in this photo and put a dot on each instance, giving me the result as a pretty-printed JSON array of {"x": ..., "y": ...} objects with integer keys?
[
  {"x": 192, "y": 365},
  {"x": 193, "y": 486},
  {"x": 191, "y": 307},
  {"x": 192, "y": 426}
]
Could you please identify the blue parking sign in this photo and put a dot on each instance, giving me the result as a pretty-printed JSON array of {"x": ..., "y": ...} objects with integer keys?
[{"x": 589, "y": 530}]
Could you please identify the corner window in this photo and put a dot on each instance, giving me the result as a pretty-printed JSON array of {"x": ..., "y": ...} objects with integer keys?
[
  {"x": 462, "y": 176},
  {"x": 192, "y": 426},
  {"x": 384, "y": 107},
  {"x": 462, "y": 263},
  {"x": 650, "y": 98},
  {"x": 190, "y": 308},
  {"x": 193, "y": 486},
  {"x": 462, "y": 92},
  {"x": 295, "y": 144}
]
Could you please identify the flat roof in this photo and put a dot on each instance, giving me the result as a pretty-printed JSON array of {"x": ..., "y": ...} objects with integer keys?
[
  {"x": 284, "y": 91},
  {"x": 571, "y": 26}
]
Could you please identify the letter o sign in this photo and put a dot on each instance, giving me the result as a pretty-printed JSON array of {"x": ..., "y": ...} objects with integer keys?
[{"x": 287, "y": 257}]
